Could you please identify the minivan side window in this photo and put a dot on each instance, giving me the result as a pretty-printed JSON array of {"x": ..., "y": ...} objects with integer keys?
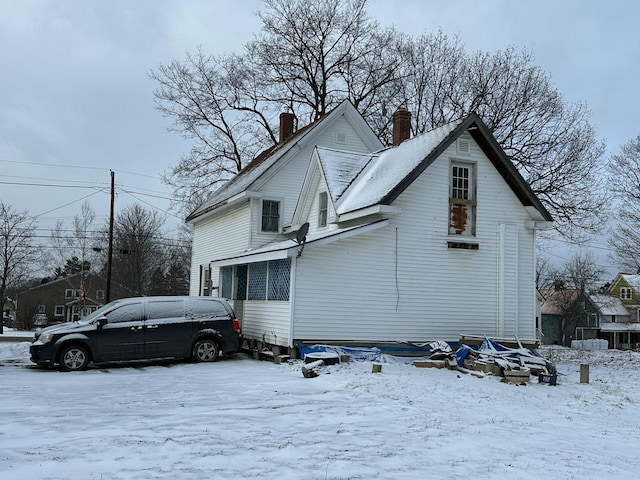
[
  {"x": 126, "y": 313},
  {"x": 207, "y": 309},
  {"x": 165, "y": 309}
]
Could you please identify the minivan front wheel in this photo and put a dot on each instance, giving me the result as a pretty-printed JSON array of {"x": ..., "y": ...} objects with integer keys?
[
  {"x": 206, "y": 350},
  {"x": 74, "y": 358}
]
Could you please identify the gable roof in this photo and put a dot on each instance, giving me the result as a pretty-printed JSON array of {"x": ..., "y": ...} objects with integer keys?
[
  {"x": 608, "y": 305},
  {"x": 632, "y": 280},
  {"x": 557, "y": 302},
  {"x": 259, "y": 166},
  {"x": 387, "y": 173}
]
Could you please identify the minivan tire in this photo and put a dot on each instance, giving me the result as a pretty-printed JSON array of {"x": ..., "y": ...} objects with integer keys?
[
  {"x": 74, "y": 358},
  {"x": 206, "y": 350}
]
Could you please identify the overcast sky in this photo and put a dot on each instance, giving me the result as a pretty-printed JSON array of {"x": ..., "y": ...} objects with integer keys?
[{"x": 76, "y": 100}]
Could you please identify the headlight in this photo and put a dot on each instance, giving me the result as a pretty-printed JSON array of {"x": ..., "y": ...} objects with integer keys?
[{"x": 45, "y": 338}]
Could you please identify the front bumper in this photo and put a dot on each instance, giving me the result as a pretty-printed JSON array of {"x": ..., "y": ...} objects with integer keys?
[{"x": 42, "y": 354}]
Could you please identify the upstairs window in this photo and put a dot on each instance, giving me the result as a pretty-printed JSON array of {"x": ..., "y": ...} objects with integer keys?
[
  {"x": 270, "y": 216},
  {"x": 462, "y": 203},
  {"x": 322, "y": 209},
  {"x": 626, "y": 293}
]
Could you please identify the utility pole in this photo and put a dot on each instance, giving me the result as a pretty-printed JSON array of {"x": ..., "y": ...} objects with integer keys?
[{"x": 110, "y": 253}]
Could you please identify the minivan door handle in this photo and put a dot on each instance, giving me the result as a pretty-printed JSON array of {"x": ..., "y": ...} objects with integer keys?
[
  {"x": 135, "y": 329},
  {"x": 152, "y": 326}
]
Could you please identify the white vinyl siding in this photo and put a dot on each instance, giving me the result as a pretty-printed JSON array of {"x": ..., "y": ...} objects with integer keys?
[
  {"x": 266, "y": 320},
  {"x": 286, "y": 186},
  {"x": 403, "y": 283},
  {"x": 225, "y": 235}
]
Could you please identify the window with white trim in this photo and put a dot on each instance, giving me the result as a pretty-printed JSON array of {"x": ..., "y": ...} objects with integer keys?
[
  {"x": 323, "y": 206},
  {"x": 626, "y": 293},
  {"x": 68, "y": 293},
  {"x": 462, "y": 199},
  {"x": 58, "y": 311},
  {"x": 42, "y": 308},
  {"x": 270, "y": 216},
  {"x": 100, "y": 295}
]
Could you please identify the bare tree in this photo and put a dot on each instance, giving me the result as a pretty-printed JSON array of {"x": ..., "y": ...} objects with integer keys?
[
  {"x": 309, "y": 56},
  {"x": 78, "y": 242},
  {"x": 18, "y": 252},
  {"x": 546, "y": 273},
  {"x": 625, "y": 234},
  {"x": 138, "y": 249},
  {"x": 551, "y": 142},
  {"x": 582, "y": 272}
]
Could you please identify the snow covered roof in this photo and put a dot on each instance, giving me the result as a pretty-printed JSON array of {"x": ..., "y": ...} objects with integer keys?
[
  {"x": 608, "y": 305},
  {"x": 340, "y": 168},
  {"x": 357, "y": 181},
  {"x": 388, "y": 168}
]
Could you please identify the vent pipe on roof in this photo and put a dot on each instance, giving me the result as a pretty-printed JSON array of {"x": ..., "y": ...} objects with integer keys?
[
  {"x": 287, "y": 122},
  {"x": 401, "y": 125}
]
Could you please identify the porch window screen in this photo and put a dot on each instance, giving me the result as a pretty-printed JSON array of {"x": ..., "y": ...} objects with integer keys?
[
  {"x": 257, "y": 281},
  {"x": 279, "y": 274},
  {"x": 227, "y": 282},
  {"x": 241, "y": 273}
]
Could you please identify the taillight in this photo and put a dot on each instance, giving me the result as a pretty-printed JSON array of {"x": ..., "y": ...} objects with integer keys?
[{"x": 235, "y": 325}]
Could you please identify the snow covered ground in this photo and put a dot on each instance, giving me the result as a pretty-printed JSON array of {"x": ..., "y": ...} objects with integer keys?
[{"x": 242, "y": 418}]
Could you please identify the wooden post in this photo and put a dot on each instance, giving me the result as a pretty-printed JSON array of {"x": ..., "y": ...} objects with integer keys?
[{"x": 584, "y": 373}]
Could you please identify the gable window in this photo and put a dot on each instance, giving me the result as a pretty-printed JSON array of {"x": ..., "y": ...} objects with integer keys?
[
  {"x": 322, "y": 209},
  {"x": 100, "y": 294},
  {"x": 462, "y": 203},
  {"x": 625, "y": 293},
  {"x": 270, "y": 216},
  {"x": 42, "y": 308},
  {"x": 68, "y": 293}
]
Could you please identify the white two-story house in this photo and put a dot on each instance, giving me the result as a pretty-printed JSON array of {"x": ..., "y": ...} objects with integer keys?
[{"x": 329, "y": 237}]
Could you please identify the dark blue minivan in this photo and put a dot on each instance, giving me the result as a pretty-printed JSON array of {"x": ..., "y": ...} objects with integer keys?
[{"x": 141, "y": 328}]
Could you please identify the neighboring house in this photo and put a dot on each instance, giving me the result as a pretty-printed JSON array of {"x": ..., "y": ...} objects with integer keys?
[
  {"x": 331, "y": 238},
  {"x": 615, "y": 322},
  {"x": 62, "y": 300},
  {"x": 626, "y": 333},
  {"x": 626, "y": 287},
  {"x": 568, "y": 314}
]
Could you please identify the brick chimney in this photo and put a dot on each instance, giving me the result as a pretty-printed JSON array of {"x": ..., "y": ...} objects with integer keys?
[
  {"x": 401, "y": 125},
  {"x": 287, "y": 121}
]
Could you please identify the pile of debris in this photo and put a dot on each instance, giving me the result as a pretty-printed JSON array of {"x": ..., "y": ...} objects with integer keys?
[{"x": 515, "y": 365}]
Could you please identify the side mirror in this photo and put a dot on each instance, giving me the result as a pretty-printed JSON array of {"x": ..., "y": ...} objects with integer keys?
[{"x": 102, "y": 321}]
